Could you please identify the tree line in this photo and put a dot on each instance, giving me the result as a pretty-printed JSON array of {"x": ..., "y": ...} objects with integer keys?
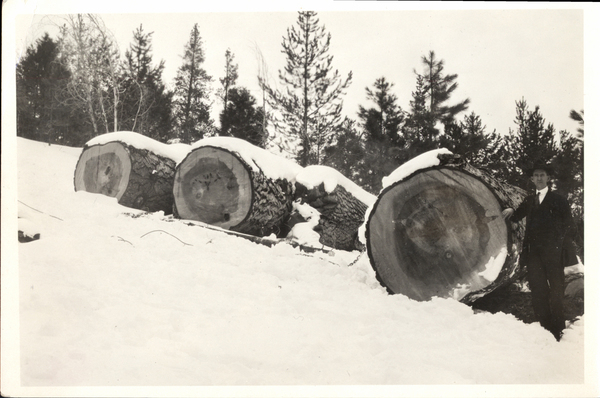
[{"x": 77, "y": 86}]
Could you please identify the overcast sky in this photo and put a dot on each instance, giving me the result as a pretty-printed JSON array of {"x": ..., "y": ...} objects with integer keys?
[{"x": 500, "y": 56}]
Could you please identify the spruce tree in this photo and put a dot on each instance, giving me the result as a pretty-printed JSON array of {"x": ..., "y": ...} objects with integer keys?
[
  {"x": 310, "y": 106},
  {"x": 347, "y": 153},
  {"x": 381, "y": 132},
  {"x": 230, "y": 79},
  {"x": 241, "y": 118},
  {"x": 418, "y": 132},
  {"x": 384, "y": 120},
  {"x": 146, "y": 102},
  {"x": 439, "y": 87},
  {"x": 191, "y": 107},
  {"x": 468, "y": 139},
  {"x": 41, "y": 80}
]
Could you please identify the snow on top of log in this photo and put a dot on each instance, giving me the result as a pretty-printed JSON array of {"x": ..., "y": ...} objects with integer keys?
[
  {"x": 423, "y": 161},
  {"x": 272, "y": 165},
  {"x": 175, "y": 152},
  {"x": 312, "y": 176}
]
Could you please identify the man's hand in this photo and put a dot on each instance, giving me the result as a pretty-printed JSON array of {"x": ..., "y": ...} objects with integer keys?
[{"x": 506, "y": 213}]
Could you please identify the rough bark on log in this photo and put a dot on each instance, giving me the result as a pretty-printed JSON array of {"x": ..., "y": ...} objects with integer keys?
[
  {"x": 341, "y": 203},
  {"x": 138, "y": 178},
  {"x": 342, "y": 214},
  {"x": 439, "y": 232},
  {"x": 218, "y": 185}
]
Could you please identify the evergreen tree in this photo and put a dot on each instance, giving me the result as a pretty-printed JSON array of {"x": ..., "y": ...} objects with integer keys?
[
  {"x": 347, "y": 154},
  {"x": 310, "y": 107},
  {"x": 230, "y": 79},
  {"x": 146, "y": 102},
  {"x": 439, "y": 87},
  {"x": 381, "y": 126},
  {"x": 385, "y": 120},
  {"x": 191, "y": 108},
  {"x": 241, "y": 118},
  {"x": 533, "y": 142},
  {"x": 418, "y": 132},
  {"x": 578, "y": 117},
  {"x": 468, "y": 139}
]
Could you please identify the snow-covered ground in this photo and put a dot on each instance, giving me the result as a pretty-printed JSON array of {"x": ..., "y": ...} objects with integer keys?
[{"x": 108, "y": 298}]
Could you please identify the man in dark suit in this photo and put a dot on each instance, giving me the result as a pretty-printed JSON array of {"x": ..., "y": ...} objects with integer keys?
[{"x": 547, "y": 239}]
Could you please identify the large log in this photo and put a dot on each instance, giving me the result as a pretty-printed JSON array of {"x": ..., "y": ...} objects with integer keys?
[
  {"x": 232, "y": 184},
  {"x": 436, "y": 229},
  {"x": 133, "y": 168},
  {"x": 341, "y": 203}
]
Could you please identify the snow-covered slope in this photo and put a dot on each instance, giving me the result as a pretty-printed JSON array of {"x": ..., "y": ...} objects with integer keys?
[{"x": 110, "y": 296}]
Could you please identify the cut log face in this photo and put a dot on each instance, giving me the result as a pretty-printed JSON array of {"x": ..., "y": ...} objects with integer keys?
[
  {"x": 435, "y": 232},
  {"x": 103, "y": 169},
  {"x": 213, "y": 186},
  {"x": 217, "y": 186},
  {"x": 138, "y": 178}
]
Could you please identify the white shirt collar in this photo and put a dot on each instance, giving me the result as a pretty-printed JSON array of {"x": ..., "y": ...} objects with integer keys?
[{"x": 542, "y": 193}]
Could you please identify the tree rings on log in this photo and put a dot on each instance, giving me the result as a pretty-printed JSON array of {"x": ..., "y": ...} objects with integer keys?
[
  {"x": 137, "y": 178},
  {"x": 217, "y": 186},
  {"x": 438, "y": 232}
]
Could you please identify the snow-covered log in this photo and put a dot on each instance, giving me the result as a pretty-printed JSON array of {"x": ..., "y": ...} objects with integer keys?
[
  {"x": 232, "y": 184},
  {"x": 436, "y": 229},
  {"x": 341, "y": 203},
  {"x": 133, "y": 168}
]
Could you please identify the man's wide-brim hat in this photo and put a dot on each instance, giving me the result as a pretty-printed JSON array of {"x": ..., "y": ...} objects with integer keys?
[{"x": 547, "y": 167}]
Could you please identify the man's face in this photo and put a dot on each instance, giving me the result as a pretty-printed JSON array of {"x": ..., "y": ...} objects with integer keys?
[{"x": 540, "y": 179}]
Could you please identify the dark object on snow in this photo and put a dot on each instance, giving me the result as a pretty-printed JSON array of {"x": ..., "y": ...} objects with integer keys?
[
  {"x": 217, "y": 186},
  {"x": 24, "y": 238},
  {"x": 440, "y": 232},
  {"x": 138, "y": 178}
]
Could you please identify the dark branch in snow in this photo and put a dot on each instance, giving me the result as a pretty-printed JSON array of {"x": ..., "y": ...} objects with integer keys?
[
  {"x": 160, "y": 230},
  {"x": 39, "y": 211}
]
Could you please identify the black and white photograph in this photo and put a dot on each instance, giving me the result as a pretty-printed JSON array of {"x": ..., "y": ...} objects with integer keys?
[{"x": 349, "y": 199}]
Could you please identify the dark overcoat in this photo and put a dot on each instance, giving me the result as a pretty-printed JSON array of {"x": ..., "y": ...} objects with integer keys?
[{"x": 550, "y": 228}]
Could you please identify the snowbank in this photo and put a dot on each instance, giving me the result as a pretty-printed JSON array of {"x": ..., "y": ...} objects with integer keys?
[{"x": 112, "y": 297}]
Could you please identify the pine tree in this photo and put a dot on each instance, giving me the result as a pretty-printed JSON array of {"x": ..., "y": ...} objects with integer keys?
[
  {"x": 230, "y": 79},
  {"x": 191, "y": 108},
  {"x": 418, "y": 132},
  {"x": 42, "y": 114},
  {"x": 439, "y": 87},
  {"x": 469, "y": 139},
  {"x": 578, "y": 117},
  {"x": 385, "y": 120},
  {"x": 532, "y": 143},
  {"x": 311, "y": 104},
  {"x": 146, "y": 102},
  {"x": 241, "y": 118},
  {"x": 347, "y": 154},
  {"x": 381, "y": 134}
]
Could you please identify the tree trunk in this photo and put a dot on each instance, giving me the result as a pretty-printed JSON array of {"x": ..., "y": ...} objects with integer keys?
[
  {"x": 225, "y": 187},
  {"x": 138, "y": 178},
  {"x": 342, "y": 212},
  {"x": 440, "y": 232}
]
